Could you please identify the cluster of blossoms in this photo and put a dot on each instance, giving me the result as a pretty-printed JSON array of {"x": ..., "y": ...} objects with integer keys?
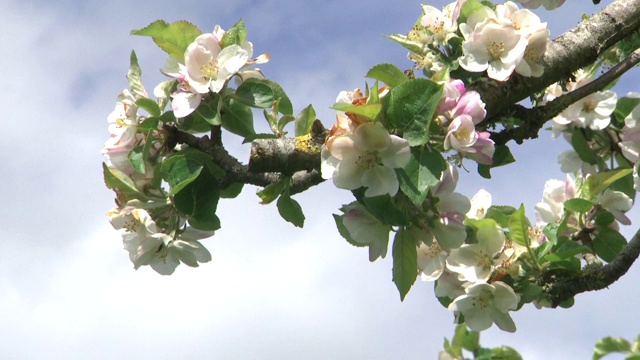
[
  {"x": 156, "y": 231},
  {"x": 208, "y": 67},
  {"x": 497, "y": 40}
]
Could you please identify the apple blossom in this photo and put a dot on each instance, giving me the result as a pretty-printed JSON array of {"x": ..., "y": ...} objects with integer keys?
[
  {"x": 495, "y": 47},
  {"x": 448, "y": 285},
  {"x": 630, "y": 136},
  {"x": 450, "y": 207},
  {"x": 556, "y": 192},
  {"x": 441, "y": 26},
  {"x": 461, "y": 133},
  {"x": 366, "y": 229},
  {"x": 431, "y": 261},
  {"x": 476, "y": 262},
  {"x": 367, "y": 158},
  {"x": 617, "y": 203},
  {"x": 593, "y": 111},
  {"x": 548, "y": 4},
  {"x": 484, "y": 304},
  {"x": 480, "y": 203}
]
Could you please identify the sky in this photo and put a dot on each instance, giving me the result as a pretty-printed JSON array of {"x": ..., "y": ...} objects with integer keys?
[{"x": 272, "y": 291}]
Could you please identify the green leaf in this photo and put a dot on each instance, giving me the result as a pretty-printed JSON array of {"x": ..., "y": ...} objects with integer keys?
[
  {"x": 149, "y": 105},
  {"x": 610, "y": 345},
  {"x": 388, "y": 74},
  {"x": 165, "y": 89},
  {"x": 608, "y": 243},
  {"x": 624, "y": 106},
  {"x": 383, "y": 208},
  {"x": 410, "y": 45},
  {"x": 344, "y": 232},
  {"x": 502, "y": 353},
  {"x": 599, "y": 182},
  {"x": 604, "y": 219},
  {"x": 468, "y": 8},
  {"x": 284, "y": 105},
  {"x": 304, "y": 120},
  {"x": 199, "y": 201},
  {"x": 422, "y": 171},
  {"x": 119, "y": 182},
  {"x": 566, "y": 249},
  {"x": 255, "y": 93},
  {"x": 234, "y": 36},
  {"x": 370, "y": 111},
  {"x": 172, "y": 38},
  {"x": 148, "y": 124},
  {"x": 237, "y": 118},
  {"x": 501, "y": 214},
  {"x": 551, "y": 233},
  {"x": 405, "y": 262},
  {"x": 458, "y": 337},
  {"x": 410, "y": 106},
  {"x": 471, "y": 341},
  {"x": 502, "y": 156},
  {"x": 272, "y": 191},
  {"x": 134, "y": 76},
  {"x": 136, "y": 158},
  {"x": 290, "y": 210},
  {"x": 582, "y": 147},
  {"x": 519, "y": 227},
  {"x": 179, "y": 172},
  {"x": 578, "y": 205},
  {"x": 231, "y": 191}
]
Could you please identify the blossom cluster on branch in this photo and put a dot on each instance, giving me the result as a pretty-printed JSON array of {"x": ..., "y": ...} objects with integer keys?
[{"x": 397, "y": 146}]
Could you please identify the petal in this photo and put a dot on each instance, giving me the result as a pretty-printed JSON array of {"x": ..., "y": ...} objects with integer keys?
[{"x": 380, "y": 180}]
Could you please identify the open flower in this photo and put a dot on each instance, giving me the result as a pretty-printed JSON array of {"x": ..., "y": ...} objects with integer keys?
[
  {"x": 495, "y": 47},
  {"x": 476, "y": 262},
  {"x": 366, "y": 229},
  {"x": 484, "y": 304},
  {"x": 593, "y": 111},
  {"x": 431, "y": 261},
  {"x": 480, "y": 203},
  {"x": 366, "y": 158}
]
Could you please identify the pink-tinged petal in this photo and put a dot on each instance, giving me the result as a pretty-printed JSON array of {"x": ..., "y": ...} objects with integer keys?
[
  {"x": 184, "y": 103},
  {"x": 397, "y": 154},
  {"x": 380, "y": 180}
]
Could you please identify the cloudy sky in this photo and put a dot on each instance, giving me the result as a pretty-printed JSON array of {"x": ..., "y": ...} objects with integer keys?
[{"x": 68, "y": 290}]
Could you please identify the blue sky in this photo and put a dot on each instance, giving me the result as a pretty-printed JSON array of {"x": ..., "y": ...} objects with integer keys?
[{"x": 68, "y": 290}]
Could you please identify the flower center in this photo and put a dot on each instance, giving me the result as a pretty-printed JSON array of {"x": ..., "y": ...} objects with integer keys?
[
  {"x": 531, "y": 56},
  {"x": 210, "y": 69},
  {"x": 484, "y": 261},
  {"x": 462, "y": 134},
  {"x": 495, "y": 49},
  {"x": 482, "y": 301},
  {"x": 366, "y": 161},
  {"x": 589, "y": 105}
]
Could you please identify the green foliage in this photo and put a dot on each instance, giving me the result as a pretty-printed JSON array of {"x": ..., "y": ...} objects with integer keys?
[
  {"x": 382, "y": 207},
  {"x": 578, "y": 205},
  {"x": 501, "y": 214},
  {"x": 304, "y": 121},
  {"x": 235, "y": 35},
  {"x": 422, "y": 171},
  {"x": 179, "y": 171},
  {"x": 370, "y": 111},
  {"x": 519, "y": 227},
  {"x": 344, "y": 232},
  {"x": 119, "y": 182},
  {"x": 136, "y": 158},
  {"x": 599, "y": 182},
  {"x": 502, "y": 156},
  {"x": 237, "y": 118},
  {"x": 409, "y": 107},
  {"x": 289, "y": 209},
  {"x": 608, "y": 243},
  {"x": 467, "y": 8},
  {"x": 172, "y": 38},
  {"x": 198, "y": 200},
  {"x": 272, "y": 191},
  {"x": 581, "y": 146},
  {"x": 150, "y": 106},
  {"x": 405, "y": 261},
  {"x": 610, "y": 345},
  {"x": 231, "y": 191},
  {"x": 388, "y": 74},
  {"x": 255, "y": 93},
  {"x": 623, "y": 109},
  {"x": 134, "y": 76}
]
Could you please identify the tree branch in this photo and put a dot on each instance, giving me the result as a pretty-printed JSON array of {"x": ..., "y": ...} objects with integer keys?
[
  {"x": 594, "y": 277},
  {"x": 235, "y": 170},
  {"x": 534, "y": 118},
  {"x": 569, "y": 52}
]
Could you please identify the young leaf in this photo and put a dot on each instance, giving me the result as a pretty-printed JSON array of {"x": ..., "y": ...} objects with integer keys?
[
  {"x": 172, "y": 38},
  {"x": 149, "y": 105},
  {"x": 388, "y": 74},
  {"x": 118, "y": 181},
  {"x": 599, "y": 182},
  {"x": 272, "y": 191},
  {"x": 237, "y": 118},
  {"x": 231, "y": 191},
  {"x": 255, "y": 93},
  {"x": 410, "y": 106},
  {"x": 610, "y": 345},
  {"x": 370, "y": 111},
  {"x": 284, "y": 105},
  {"x": 136, "y": 158},
  {"x": 578, "y": 205},
  {"x": 608, "y": 243},
  {"x": 179, "y": 172},
  {"x": 344, "y": 232},
  {"x": 234, "y": 36},
  {"x": 623, "y": 109},
  {"x": 405, "y": 262},
  {"x": 290, "y": 210},
  {"x": 581, "y": 146},
  {"x": 519, "y": 227},
  {"x": 501, "y": 156},
  {"x": 199, "y": 201},
  {"x": 304, "y": 120},
  {"x": 134, "y": 76},
  {"x": 500, "y": 214},
  {"x": 422, "y": 171}
]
